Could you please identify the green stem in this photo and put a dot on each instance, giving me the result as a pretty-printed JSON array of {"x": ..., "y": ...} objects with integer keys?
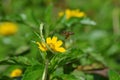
[
  {"x": 42, "y": 37},
  {"x": 45, "y": 73}
]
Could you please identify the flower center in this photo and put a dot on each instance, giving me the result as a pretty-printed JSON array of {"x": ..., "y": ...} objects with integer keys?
[{"x": 52, "y": 46}]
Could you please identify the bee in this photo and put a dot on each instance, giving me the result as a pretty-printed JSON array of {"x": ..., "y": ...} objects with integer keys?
[{"x": 67, "y": 34}]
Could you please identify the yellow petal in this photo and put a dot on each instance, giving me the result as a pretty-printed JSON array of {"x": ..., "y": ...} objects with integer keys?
[
  {"x": 48, "y": 40},
  {"x": 68, "y": 14},
  {"x": 42, "y": 46},
  {"x": 59, "y": 43},
  {"x": 60, "y": 49},
  {"x": 81, "y": 14},
  {"x": 54, "y": 39},
  {"x": 38, "y": 43},
  {"x": 67, "y": 11}
]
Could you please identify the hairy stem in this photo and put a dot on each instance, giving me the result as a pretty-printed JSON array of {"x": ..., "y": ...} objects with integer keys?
[{"x": 45, "y": 73}]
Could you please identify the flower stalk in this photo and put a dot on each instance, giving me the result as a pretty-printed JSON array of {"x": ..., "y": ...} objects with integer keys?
[{"x": 45, "y": 73}]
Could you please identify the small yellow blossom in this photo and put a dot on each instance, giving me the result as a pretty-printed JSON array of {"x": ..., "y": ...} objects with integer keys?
[
  {"x": 53, "y": 44},
  {"x": 72, "y": 13},
  {"x": 8, "y": 28},
  {"x": 16, "y": 73}
]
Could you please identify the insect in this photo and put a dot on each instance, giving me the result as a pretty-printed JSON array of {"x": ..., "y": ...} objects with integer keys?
[{"x": 67, "y": 34}]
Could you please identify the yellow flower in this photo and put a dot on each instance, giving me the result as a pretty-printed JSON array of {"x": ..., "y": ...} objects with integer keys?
[
  {"x": 16, "y": 73},
  {"x": 8, "y": 28},
  {"x": 72, "y": 13},
  {"x": 53, "y": 44}
]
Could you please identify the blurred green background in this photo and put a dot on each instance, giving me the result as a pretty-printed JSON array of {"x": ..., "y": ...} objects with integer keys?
[{"x": 102, "y": 41}]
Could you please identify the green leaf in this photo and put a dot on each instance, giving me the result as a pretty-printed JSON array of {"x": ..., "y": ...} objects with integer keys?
[
  {"x": 69, "y": 77},
  {"x": 22, "y": 50},
  {"x": 78, "y": 75},
  {"x": 70, "y": 22},
  {"x": 62, "y": 59},
  {"x": 48, "y": 13},
  {"x": 113, "y": 75},
  {"x": 98, "y": 57},
  {"x": 34, "y": 73},
  {"x": 26, "y": 60}
]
